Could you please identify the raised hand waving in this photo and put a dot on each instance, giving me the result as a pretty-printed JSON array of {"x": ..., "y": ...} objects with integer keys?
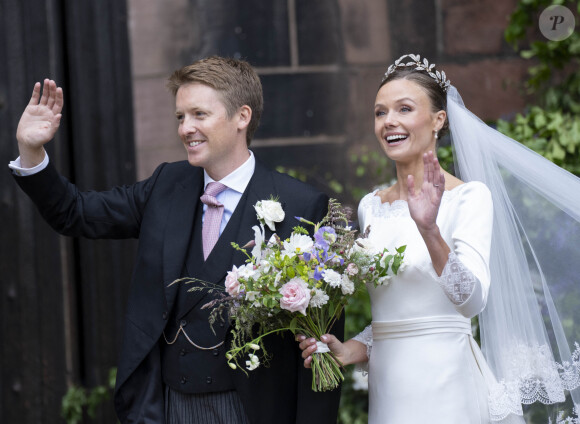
[
  {"x": 39, "y": 122},
  {"x": 424, "y": 203}
]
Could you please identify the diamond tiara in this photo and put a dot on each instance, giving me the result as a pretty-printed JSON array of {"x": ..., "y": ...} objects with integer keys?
[{"x": 417, "y": 65}]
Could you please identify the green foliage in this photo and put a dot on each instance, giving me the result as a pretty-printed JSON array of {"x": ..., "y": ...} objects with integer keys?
[
  {"x": 445, "y": 157},
  {"x": 554, "y": 135},
  {"x": 552, "y": 127},
  {"x": 80, "y": 400},
  {"x": 551, "y": 57}
]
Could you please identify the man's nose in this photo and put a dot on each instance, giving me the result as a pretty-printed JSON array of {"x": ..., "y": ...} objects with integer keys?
[{"x": 188, "y": 126}]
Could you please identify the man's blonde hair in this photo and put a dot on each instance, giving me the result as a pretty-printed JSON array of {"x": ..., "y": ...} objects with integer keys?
[{"x": 235, "y": 80}]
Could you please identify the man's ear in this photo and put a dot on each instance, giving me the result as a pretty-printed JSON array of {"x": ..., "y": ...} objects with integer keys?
[{"x": 245, "y": 116}]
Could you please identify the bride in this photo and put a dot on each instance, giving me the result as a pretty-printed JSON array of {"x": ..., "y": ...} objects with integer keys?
[{"x": 473, "y": 247}]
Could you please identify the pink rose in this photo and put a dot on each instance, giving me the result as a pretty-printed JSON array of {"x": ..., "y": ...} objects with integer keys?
[
  {"x": 296, "y": 296},
  {"x": 232, "y": 283}
]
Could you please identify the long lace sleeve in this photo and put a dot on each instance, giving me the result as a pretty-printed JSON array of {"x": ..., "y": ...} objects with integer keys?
[
  {"x": 456, "y": 280},
  {"x": 365, "y": 337}
]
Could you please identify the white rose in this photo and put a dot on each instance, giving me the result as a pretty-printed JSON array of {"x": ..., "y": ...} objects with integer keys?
[{"x": 269, "y": 211}]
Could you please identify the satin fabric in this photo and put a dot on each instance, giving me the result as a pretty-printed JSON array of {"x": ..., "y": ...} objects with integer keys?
[{"x": 425, "y": 365}]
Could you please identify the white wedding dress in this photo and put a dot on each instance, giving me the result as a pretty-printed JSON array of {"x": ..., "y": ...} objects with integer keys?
[{"x": 424, "y": 365}]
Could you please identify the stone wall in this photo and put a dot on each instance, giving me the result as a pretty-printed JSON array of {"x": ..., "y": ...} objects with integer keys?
[{"x": 320, "y": 63}]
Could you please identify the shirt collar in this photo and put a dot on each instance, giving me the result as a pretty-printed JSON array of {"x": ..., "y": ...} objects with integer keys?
[{"x": 237, "y": 180}]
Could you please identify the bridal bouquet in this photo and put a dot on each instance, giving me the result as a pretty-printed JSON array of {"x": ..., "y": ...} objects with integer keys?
[{"x": 301, "y": 284}]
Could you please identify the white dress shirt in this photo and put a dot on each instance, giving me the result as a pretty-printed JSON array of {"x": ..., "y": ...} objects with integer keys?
[
  {"x": 17, "y": 168},
  {"x": 237, "y": 181}
]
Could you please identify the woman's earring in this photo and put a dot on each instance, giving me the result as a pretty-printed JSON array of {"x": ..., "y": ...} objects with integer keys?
[{"x": 436, "y": 136}]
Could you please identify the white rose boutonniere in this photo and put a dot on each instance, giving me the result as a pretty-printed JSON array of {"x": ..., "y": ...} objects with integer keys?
[{"x": 269, "y": 212}]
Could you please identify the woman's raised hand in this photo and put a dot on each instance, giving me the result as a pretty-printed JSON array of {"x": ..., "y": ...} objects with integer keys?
[
  {"x": 424, "y": 203},
  {"x": 39, "y": 122}
]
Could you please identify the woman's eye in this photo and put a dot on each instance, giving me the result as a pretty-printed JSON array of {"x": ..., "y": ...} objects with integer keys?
[
  {"x": 179, "y": 117},
  {"x": 405, "y": 109},
  {"x": 379, "y": 113}
]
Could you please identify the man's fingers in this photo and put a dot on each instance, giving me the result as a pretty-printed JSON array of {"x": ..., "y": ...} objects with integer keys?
[
  {"x": 59, "y": 101},
  {"x": 45, "y": 92},
  {"x": 51, "y": 94},
  {"x": 35, "y": 95}
]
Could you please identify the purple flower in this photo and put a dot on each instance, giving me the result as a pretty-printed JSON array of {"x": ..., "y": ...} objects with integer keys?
[
  {"x": 324, "y": 237},
  {"x": 318, "y": 271}
]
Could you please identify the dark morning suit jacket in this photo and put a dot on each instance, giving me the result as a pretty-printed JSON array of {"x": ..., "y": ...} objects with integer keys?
[{"x": 160, "y": 212}]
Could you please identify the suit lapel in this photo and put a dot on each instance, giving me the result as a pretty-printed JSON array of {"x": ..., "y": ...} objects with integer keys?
[
  {"x": 180, "y": 220},
  {"x": 239, "y": 230},
  {"x": 261, "y": 187}
]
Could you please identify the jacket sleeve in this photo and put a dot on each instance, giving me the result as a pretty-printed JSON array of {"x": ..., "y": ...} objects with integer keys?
[{"x": 113, "y": 214}]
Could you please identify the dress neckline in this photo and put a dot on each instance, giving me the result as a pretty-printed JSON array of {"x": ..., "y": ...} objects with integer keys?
[{"x": 403, "y": 202}]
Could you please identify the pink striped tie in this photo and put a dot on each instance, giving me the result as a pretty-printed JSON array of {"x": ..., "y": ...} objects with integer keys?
[{"x": 213, "y": 216}]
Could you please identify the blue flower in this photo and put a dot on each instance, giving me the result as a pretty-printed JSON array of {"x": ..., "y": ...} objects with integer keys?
[
  {"x": 318, "y": 271},
  {"x": 324, "y": 237}
]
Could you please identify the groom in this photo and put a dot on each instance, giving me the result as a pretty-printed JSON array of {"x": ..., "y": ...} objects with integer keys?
[{"x": 172, "y": 367}]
